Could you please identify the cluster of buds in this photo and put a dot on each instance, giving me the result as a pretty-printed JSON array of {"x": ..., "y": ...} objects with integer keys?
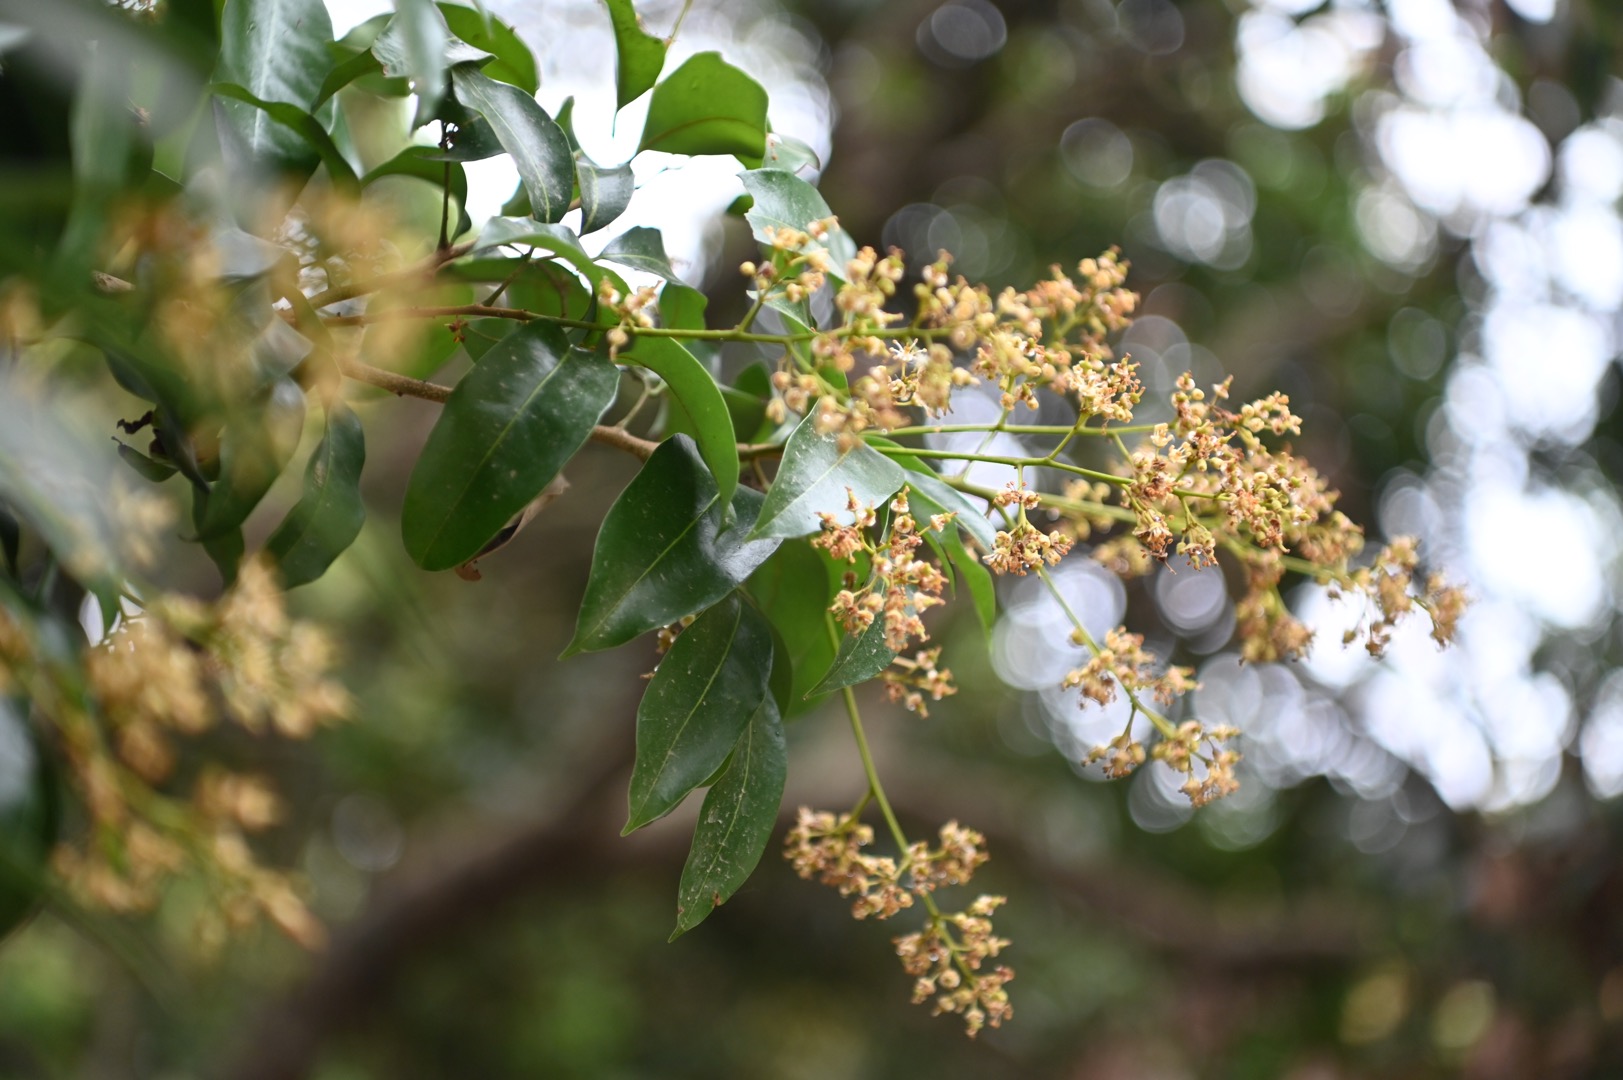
[
  {"x": 945, "y": 957},
  {"x": 632, "y": 313},
  {"x": 949, "y": 971},
  {"x": 167, "y": 674},
  {"x": 909, "y": 681},
  {"x": 1210, "y": 774},
  {"x": 901, "y": 584},
  {"x": 1124, "y": 662},
  {"x": 1390, "y": 584}
]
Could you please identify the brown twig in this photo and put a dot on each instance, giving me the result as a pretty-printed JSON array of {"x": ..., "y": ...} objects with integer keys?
[
  {"x": 425, "y": 269},
  {"x": 404, "y": 386}
]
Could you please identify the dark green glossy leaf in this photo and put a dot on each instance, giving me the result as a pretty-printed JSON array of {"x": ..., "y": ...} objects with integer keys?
[
  {"x": 641, "y": 248},
  {"x": 537, "y": 145},
  {"x": 604, "y": 193},
  {"x": 328, "y": 516},
  {"x": 813, "y": 479},
  {"x": 639, "y": 55},
  {"x": 859, "y": 659},
  {"x": 785, "y": 201},
  {"x": 275, "y": 51},
  {"x": 707, "y": 106},
  {"x": 513, "y": 63},
  {"x": 694, "y": 386},
  {"x": 30, "y": 809},
  {"x": 300, "y": 127},
  {"x": 662, "y": 553},
  {"x": 254, "y": 448},
  {"x": 697, "y": 705},
  {"x": 736, "y": 820},
  {"x": 508, "y": 427}
]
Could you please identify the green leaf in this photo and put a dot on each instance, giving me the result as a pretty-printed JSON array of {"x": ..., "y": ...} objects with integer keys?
[
  {"x": 924, "y": 480},
  {"x": 681, "y": 307},
  {"x": 813, "y": 477},
  {"x": 785, "y": 201},
  {"x": 508, "y": 427},
  {"x": 537, "y": 145},
  {"x": 417, "y": 348},
  {"x": 304, "y": 131},
  {"x": 513, "y": 63},
  {"x": 149, "y": 468},
  {"x": 978, "y": 580},
  {"x": 604, "y": 193},
  {"x": 694, "y": 386},
  {"x": 736, "y": 820},
  {"x": 859, "y": 659},
  {"x": 526, "y": 232},
  {"x": 355, "y": 66},
  {"x": 329, "y": 515},
  {"x": 698, "y": 702},
  {"x": 789, "y": 155},
  {"x": 641, "y": 248},
  {"x": 707, "y": 106},
  {"x": 794, "y": 588},
  {"x": 427, "y": 163},
  {"x": 639, "y": 55},
  {"x": 254, "y": 448},
  {"x": 662, "y": 554},
  {"x": 30, "y": 810},
  {"x": 414, "y": 45},
  {"x": 276, "y": 51}
]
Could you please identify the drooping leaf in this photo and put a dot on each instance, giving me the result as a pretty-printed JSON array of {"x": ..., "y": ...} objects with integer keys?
[
  {"x": 814, "y": 477},
  {"x": 357, "y": 65},
  {"x": 148, "y": 468},
  {"x": 537, "y": 145},
  {"x": 254, "y": 448},
  {"x": 707, "y": 106},
  {"x": 509, "y": 426},
  {"x": 304, "y": 134},
  {"x": 604, "y": 193},
  {"x": 736, "y": 820},
  {"x": 641, "y": 248},
  {"x": 414, "y": 45},
  {"x": 694, "y": 386},
  {"x": 513, "y": 63},
  {"x": 697, "y": 704},
  {"x": 276, "y": 51},
  {"x": 328, "y": 516},
  {"x": 639, "y": 55},
  {"x": 30, "y": 809},
  {"x": 860, "y": 658},
  {"x": 978, "y": 580},
  {"x": 785, "y": 201},
  {"x": 662, "y": 553}
]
